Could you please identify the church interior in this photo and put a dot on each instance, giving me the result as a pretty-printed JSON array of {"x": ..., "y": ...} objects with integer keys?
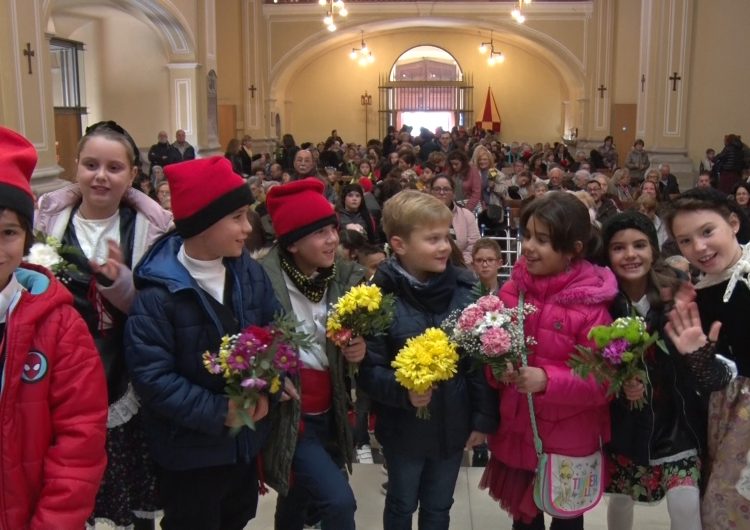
[{"x": 573, "y": 71}]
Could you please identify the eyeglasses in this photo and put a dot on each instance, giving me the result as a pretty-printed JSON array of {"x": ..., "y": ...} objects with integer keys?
[
  {"x": 442, "y": 191},
  {"x": 486, "y": 261}
]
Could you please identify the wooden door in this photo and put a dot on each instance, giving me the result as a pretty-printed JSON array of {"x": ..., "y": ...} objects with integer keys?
[
  {"x": 67, "y": 134},
  {"x": 227, "y": 124},
  {"x": 623, "y": 128}
]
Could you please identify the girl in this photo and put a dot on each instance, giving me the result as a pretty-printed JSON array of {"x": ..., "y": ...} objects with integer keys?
[
  {"x": 467, "y": 178},
  {"x": 571, "y": 296},
  {"x": 353, "y": 213},
  {"x": 712, "y": 235},
  {"x": 112, "y": 225},
  {"x": 655, "y": 451}
]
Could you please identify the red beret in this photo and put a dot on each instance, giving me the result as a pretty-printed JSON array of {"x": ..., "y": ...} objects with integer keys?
[
  {"x": 299, "y": 208},
  {"x": 203, "y": 191},
  {"x": 17, "y": 162}
]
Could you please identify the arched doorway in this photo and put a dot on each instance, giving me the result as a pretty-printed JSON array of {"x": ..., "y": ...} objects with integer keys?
[{"x": 425, "y": 87}]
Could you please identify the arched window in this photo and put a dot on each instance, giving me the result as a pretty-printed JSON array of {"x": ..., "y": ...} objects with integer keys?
[
  {"x": 426, "y": 63},
  {"x": 425, "y": 88}
]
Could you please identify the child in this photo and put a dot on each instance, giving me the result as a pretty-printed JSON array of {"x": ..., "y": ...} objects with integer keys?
[
  {"x": 370, "y": 257},
  {"x": 353, "y": 213},
  {"x": 486, "y": 260},
  {"x": 424, "y": 456},
  {"x": 713, "y": 235},
  {"x": 53, "y": 394},
  {"x": 196, "y": 285},
  {"x": 111, "y": 225},
  {"x": 655, "y": 451},
  {"x": 311, "y": 438},
  {"x": 571, "y": 296}
]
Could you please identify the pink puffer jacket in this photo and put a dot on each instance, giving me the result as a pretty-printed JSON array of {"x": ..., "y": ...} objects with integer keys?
[{"x": 572, "y": 413}]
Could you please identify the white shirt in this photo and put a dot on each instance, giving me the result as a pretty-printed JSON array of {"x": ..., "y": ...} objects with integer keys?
[
  {"x": 93, "y": 235},
  {"x": 210, "y": 275},
  {"x": 312, "y": 317}
]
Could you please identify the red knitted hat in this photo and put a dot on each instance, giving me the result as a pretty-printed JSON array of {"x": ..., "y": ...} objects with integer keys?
[
  {"x": 17, "y": 162},
  {"x": 298, "y": 209},
  {"x": 203, "y": 191}
]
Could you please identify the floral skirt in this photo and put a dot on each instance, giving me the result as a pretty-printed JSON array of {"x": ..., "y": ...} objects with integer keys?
[
  {"x": 128, "y": 489},
  {"x": 651, "y": 483},
  {"x": 512, "y": 488},
  {"x": 728, "y": 443}
]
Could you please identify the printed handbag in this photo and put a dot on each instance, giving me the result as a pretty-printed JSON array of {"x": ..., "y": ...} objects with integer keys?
[{"x": 565, "y": 486}]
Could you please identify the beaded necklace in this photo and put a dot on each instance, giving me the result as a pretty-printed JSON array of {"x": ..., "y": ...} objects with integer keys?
[{"x": 312, "y": 288}]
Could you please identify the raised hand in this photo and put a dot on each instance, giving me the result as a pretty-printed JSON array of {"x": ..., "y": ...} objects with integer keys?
[
  {"x": 684, "y": 328},
  {"x": 110, "y": 268}
]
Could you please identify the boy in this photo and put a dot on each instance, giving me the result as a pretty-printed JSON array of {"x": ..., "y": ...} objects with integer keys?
[
  {"x": 487, "y": 259},
  {"x": 424, "y": 456},
  {"x": 53, "y": 396},
  {"x": 370, "y": 257},
  {"x": 311, "y": 437},
  {"x": 196, "y": 285}
]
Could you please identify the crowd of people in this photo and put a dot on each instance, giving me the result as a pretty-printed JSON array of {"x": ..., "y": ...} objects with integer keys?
[{"x": 108, "y": 413}]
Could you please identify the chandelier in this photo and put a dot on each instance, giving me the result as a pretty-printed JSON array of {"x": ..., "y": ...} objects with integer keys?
[
  {"x": 517, "y": 13},
  {"x": 363, "y": 53},
  {"x": 334, "y": 8},
  {"x": 495, "y": 56}
]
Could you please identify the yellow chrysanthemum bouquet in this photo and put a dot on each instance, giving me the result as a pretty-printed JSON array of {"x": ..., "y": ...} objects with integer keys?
[
  {"x": 424, "y": 361},
  {"x": 363, "y": 311}
]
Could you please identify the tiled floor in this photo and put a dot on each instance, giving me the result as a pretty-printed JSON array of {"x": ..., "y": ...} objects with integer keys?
[{"x": 473, "y": 509}]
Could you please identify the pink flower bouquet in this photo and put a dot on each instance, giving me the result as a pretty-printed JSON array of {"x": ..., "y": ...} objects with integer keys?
[
  {"x": 490, "y": 332},
  {"x": 256, "y": 360}
]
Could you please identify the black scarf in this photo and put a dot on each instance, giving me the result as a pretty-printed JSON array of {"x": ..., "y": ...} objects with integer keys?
[
  {"x": 312, "y": 288},
  {"x": 434, "y": 296}
]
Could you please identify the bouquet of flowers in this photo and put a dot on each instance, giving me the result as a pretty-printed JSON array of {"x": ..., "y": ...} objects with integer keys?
[
  {"x": 618, "y": 356},
  {"x": 46, "y": 251},
  {"x": 363, "y": 310},
  {"x": 425, "y": 360},
  {"x": 490, "y": 332},
  {"x": 492, "y": 174},
  {"x": 256, "y": 360}
]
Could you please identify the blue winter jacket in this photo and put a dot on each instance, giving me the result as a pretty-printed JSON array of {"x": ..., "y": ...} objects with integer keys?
[
  {"x": 171, "y": 324},
  {"x": 458, "y": 406}
]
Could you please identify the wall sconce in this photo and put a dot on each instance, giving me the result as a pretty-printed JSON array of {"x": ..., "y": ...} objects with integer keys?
[
  {"x": 496, "y": 56},
  {"x": 363, "y": 53},
  {"x": 334, "y": 8}
]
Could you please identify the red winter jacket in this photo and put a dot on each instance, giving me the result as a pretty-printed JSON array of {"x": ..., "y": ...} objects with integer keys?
[
  {"x": 53, "y": 411},
  {"x": 572, "y": 413}
]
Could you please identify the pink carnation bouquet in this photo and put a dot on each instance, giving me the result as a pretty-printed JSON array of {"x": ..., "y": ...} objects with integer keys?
[
  {"x": 490, "y": 332},
  {"x": 256, "y": 360}
]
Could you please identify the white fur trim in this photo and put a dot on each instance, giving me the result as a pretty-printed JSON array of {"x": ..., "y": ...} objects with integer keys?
[{"x": 123, "y": 410}]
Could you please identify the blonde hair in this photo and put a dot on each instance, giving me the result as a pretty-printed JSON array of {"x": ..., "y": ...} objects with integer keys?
[
  {"x": 649, "y": 203},
  {"x": 479, "y": 151},
  {"x": 409, "y": 209}
]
